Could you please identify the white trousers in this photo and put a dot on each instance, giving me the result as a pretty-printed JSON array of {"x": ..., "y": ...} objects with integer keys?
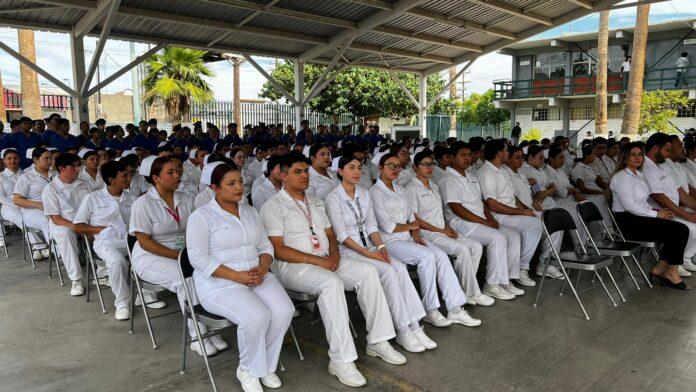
[
  {"x": 36, "y": 219},
  {"x": 329, "y": 287},
  {"x": 529, "y": 229},
  {"x": 66, "y": 246},
  {"x": 690, "y": 250},
  {"x": 403, "y": 300},
  {"x": 262, "y": 313},
  {"x": 14, "y": 215},
  {"x": 502, "y": 249},
  {"x": 114, "y": 255},
  {"x": 165, "y": 272},
  {"x": 434, "y": 270},
  {"x": 467, "y": 253}
]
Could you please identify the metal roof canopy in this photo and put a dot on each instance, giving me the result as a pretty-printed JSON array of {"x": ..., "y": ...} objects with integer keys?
[{"x": 418, "y": 36}]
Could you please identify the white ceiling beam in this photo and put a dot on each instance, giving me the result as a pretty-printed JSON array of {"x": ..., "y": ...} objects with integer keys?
[
  {"x": 242, "y": 22},
  {"x": 101, "y": 43},
  {"x": 514, "y": 11},
  {"x": 290, "y": 97},
  {"x": 431, "y": 39},
  {"x": 400, "y": 53},
  {"x": 77, "y": 4},
  {"x": 125, "y": 69},
  {"x": 37, "y": 69},
  {"x": 29, "y": 9},
  {"x": 405, "y": 89},
  {"x": 376, "y": 19},
  {"x": 448, "y": 84},
  {"x": 635, "y": 4},
  {"x": 458, "y": 22},
  {"x": 329, "y": 68},
  {"x": 587, "y": 4}
]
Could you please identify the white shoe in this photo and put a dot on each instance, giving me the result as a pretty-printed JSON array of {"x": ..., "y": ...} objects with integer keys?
[
  {"x": 271, "y": 380},
  {"x": 428, "y": 343},
  {"x": 296, "y": 314},
  {"x": 122, "y": 313},
  {"x": 218, "y": 343},
  {"x": 552, "y": 272},
  {"x": 497, "y": 291},
  {"x": 45, "y": 253},
  {"x": 482, "y": 299},
  {"x": 525, "y": 280},
  {"x": 347, "y": 374},
  {"x": 385, "y": 351},
  {"x": 683, "y": 273},
  {"x": 512, "y": 289},
  {"x": 463, "y": 318},
  {"x": 36, "y": 255},
  {"x": 249, "y": 382},
  {"x": 409, "y": 342},
  {"x": 209, "y": 348},
  {"x": 437, "y": 319},
  {"x": 77, "y": 289},
  {"x": 689, "y": 266},
  {"x": 150, "y": 301},
  {"x": 102, "y": 281}
]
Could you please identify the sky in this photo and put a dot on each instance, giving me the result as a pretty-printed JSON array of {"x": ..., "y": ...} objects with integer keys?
[{"x": 53, "y": 54}]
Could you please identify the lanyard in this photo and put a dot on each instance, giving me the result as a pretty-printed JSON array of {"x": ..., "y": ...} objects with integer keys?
[
  {"x": 307, "y": 212},
  {"x": 174, "y": 214},
  {"x": 359, "y": 219}
]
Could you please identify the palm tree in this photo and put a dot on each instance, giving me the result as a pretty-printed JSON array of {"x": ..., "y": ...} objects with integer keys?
[
  {"x": 634, "y": 94},
  {"x": 31, "y": 98},
  {"x": 176, "y": 77},
  {"x": 602, "y": 60}
]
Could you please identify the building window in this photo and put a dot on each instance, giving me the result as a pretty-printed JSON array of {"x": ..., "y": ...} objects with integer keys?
[
  {"x": 546, "y": 114},
  {"x": 583, "y": 63},
  {"x": 687, "y": 111},
  {"x": 549, "y": 65},
  {"x": 581, "y": 113},
  {"x": 523, "y": 112}
]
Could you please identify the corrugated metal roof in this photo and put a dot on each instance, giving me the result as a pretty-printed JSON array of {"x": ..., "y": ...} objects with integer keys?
[{"x": 290, "y": 28}]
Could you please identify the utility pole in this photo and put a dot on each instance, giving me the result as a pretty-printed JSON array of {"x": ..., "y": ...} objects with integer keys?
[
  {"x": 453, "y": 97},
  {"x": 135, "y": 87},
  {"x": 236, "y": 80},
  {"x": 464, "y": 82},
  {"x": 602, "y": 72},
  {"x": 3, "y": 113}
]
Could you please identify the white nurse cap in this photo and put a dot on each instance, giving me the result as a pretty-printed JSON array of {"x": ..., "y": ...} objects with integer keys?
[
  {"x": 29, "y": 152},
  {"x": 146, "y": 166},
  {"x": 334, "y": 164},
  {"x": 192, "y": 153},
  {"x": 207, "y": 173},
  {"x": 128, "y": 152},
  {"x": 375, "y": 160},
  {"x": 83, "y": 152}
]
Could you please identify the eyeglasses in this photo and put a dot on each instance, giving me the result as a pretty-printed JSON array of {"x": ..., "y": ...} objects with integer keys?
[
  {"x": 428, "y": 164},
  {"x": 393, "y": 166}
]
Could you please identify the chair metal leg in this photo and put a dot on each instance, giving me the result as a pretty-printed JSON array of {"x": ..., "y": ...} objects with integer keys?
[
  {"x": 577, "y": 281},
  {"x": 297, "y": 345},
  {"x": 541, "y": 284},
  {"x": 184, "y": 334},
  {"x": 132, "y": 303},
  {"x": 93, "y": 267},
  {"x": 572, "y": 288},
  {"x": 352, "y": 328},
  {"x": 205, "y": 353},
  {"x": 605, "y": 289},
  {"x": 4, "y": 238},
  {"x": 641, "y": 271},
  {"x": 563, "y": 284},
  {"x": 147, "y": 316},
  {"x": 52, "y": 251},
  {"x": 280, "y": 362},
  {"x": 623, "y": 260},
  {"x": 611, "y": 276}
]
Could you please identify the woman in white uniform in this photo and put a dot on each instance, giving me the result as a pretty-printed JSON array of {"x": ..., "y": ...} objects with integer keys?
[
  {"x": 27, "y": 194},
  {"x": 401, "y": 234},
  {"x": 239, "y": 157},
  {"x": 158, "y": 220},
  {"x": 231, "y": 255},
  {"x": 350, "y": 211},
  {"x": 425, "y": 199},
  {"x": 8, "y": 179},
  {"x": 586, "y": 181},
  {"x": 90, "y": 170},
  {"x": 321, "y": 180},
  {"x": 407, "y": 173}
]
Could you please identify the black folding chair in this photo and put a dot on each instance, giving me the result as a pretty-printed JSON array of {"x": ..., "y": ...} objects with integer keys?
[
  {"x": 92, "y": 263},
  {"x": 558, "y": 219},
  {"x": 589, "y": 213},
  {"x": 650, "y": 246}
]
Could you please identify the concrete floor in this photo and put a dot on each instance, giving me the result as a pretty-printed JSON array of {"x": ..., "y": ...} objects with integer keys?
[{"x": 50, "y": 341}]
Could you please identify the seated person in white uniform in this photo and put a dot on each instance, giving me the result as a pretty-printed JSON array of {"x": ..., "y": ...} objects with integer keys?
[
  {"x": 192, "y": 169},
  {"x": 270, "y": 185},
  {"x": 689, "y": 164},
  {"x": 599, "y": 150},
  {"x": 672, "y": 163},
  {"x": 426, "y": 202},
  {"x": 321, "y": 180},
  {"x": 466, "y": 213},
  {"x": 231, "y": 255},
  {"x": 8, "y": 179},
  {"x": 307, "y": 259},
  {"x": 27, "y": 194},
  {"x": 591, "y": 185},
  {"x": 61, "y": 199},
  {"x": 158, "y": 221},
  {"x": 407, "y": 173},
  {"x": 499, "y": 196},
  {"x": 665, "y": 193},
  {"x": 401, "y": 234},
  {"x": 138, "y": 185},
  {"x": 239, "y": 157},
  {"x": 444, "y": 160},
  {"x": 353, "y": 220},
  {"x": 207, "y": 194},
  {"x": 609, "y": 159},
  {"x": 90, "y": 170}
]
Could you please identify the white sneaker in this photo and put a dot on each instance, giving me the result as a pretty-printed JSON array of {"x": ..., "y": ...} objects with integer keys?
[
  {"x": 409, "y": 342},
  {"x": 683, "y": 273},
  {"x": 36, "y": 255},
  {"x": 45, "y": 253},
  {"x": 77, "y": 288},
  {"x": 385, "y": 351},
  {"x": 512, "y": 289},
  {"x": 463, "y": 318},
  {"x": 271, "y": 380},
  {"x": 209, "y": 348},
  {"x": 249, "y": 382},
  {"x": 151, "y": 301},
  {"x": 689, "y": 266},
  {"x": 498, "y": 292},
  {"x": 428, "y": 343},
  {"x": 525, "y": 280},
  {"x": 122, "y": 313},
  {"x": 437, "y": 319},
  {"x": 218, "y": 343},
  {"x": 347, "y": 374},
  {"x": 482, "y": 299},
  {"x": 552, "y": 272}
]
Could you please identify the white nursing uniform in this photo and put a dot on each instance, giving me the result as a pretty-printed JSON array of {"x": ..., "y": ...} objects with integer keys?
[
  {"x": 321, "y": 185},
  {"x": 261, "y": 192},
  {"x": 689, "y": 167},
  {"x": 30, "y": 185},
  {"x": 589, "y": 178},
  {"x": 349, "y": 217},
  {"x": 203, "y": 198},
  {"x": 10, "y": 211},
  {"x": 94, "y": 183},
  {"x": 263, "y": 313}
]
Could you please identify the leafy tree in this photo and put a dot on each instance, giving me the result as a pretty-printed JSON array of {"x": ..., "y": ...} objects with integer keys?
[
  {"x": 479, "y": 110},
  {"x": 532, "y": 134},
  {"x": 360, "y": 91},
  {"x": 176, "y": 78},
  {"x": 658, "y": 108}
]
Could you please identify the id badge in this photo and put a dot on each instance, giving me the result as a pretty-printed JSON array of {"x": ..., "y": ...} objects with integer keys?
[
  {"x": 316, "y": 246},
  {"x": 180, "y": 242}
]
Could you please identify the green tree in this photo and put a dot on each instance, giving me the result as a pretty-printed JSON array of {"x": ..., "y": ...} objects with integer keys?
[
  {"x": 176, "y": 77},
  {"x": 360, "y": 91},
  {"x": 658, "y": 108},
  {"x": 479, "y": 110},
  {"x": 532, "y": 134}
]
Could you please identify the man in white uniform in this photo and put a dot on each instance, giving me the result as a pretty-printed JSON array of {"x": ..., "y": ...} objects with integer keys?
[
  {"x": 599, "y": 149},
  {"x": 61, "y": 199},
  {"x": 499, "y": 196},
  {"x": 308, "y": 260}
]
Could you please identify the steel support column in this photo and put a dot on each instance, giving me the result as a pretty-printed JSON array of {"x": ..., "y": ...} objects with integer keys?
[
  {"x": 80, "y": 107},
  {"x": 422, "y": 103},
  {"x": 299, "y": 92}
]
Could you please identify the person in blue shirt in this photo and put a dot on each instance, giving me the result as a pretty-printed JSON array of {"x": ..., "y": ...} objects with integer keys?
[
  {"x": 83, "y": 137},
  {"x": 213, "y": 138},
  {"x": 94, "y": 139},
  {"x": 130, "y": 133},
  {"x": 23, "y": 140},
  {"x": 63, "y": 140},
  {"x": 232, "y": 137},
  {"x": 117, "y": 142},
  {"x": 304, "y": 136}
]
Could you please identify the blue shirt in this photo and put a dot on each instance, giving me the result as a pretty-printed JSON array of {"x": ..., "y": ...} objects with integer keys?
[
  {"x": 91, "y": 145},
  {"x": 233, "y": 140},
  {"x": 118, "y": 144},
  {"x": 47, "y": 136},
  {"x": 21, "y": 142},
  {"x": 63, "y": 143},
  {"x": 209, "y": 143},
  {"x": 81, "y": 140}
]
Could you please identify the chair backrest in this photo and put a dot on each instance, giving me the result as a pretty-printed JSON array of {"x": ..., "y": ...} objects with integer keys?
[
  {"x": 185, "y": 264},
  {"x": 589, "y": 212},
  {"x": 131, "y": 242},
  {"x": 557, "y": 219}
]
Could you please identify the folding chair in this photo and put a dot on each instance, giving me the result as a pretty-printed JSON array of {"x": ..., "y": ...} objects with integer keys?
[
  {"x": 28, "y": 245},
  {"x": 651, "y": 246},
  {"x": 55, "y": 256},
  {"x": 3, "y": 224},
  {"x": 198, "y": 314},
  {"x": 137, "y": 287},
  {"x": 91, "y": 267},
  {"x": 589, "y": 213},
  {"x": 558, "y": 219}
]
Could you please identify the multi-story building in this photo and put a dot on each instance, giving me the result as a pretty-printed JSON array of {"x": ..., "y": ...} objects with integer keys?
[{"x": 553, "y": 80}]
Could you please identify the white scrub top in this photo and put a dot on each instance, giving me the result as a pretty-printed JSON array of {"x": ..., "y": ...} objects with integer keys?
[
  {"x": 320, "y": 185},
  {"x": 610, "y": 164},
  {"x": 391, "y": 208},
  {"x": 520, "y": 185},
  {"x": 344, "y": 214},
  {"x": 598, "y": 166},
  {"x": 426, "y": 202},
  {"x": 31, "y": 184},
  {"x": 496, "y": 184},
  {"x": 690, "y": 170},
  {"x": 203, "y": 198},
  {"x": 660, "y": 181},
  {"x": 587, "y": 175},
  {"x": 8, "y": 179},
  {"x": 63, "y": 199},
  {"x": 138, "y": 185},
  {"x": 261, "y": 192},
  {"x": 463, "y": 190},
  {"x": 94, "y": 184},
  {"x": 560, "y": 179},
  {"x": 405, "y": 176},
  {"x": 677, "y": 172},
  {"x": 631, "y": 193},
  {"x": 100, "y": 208}
]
